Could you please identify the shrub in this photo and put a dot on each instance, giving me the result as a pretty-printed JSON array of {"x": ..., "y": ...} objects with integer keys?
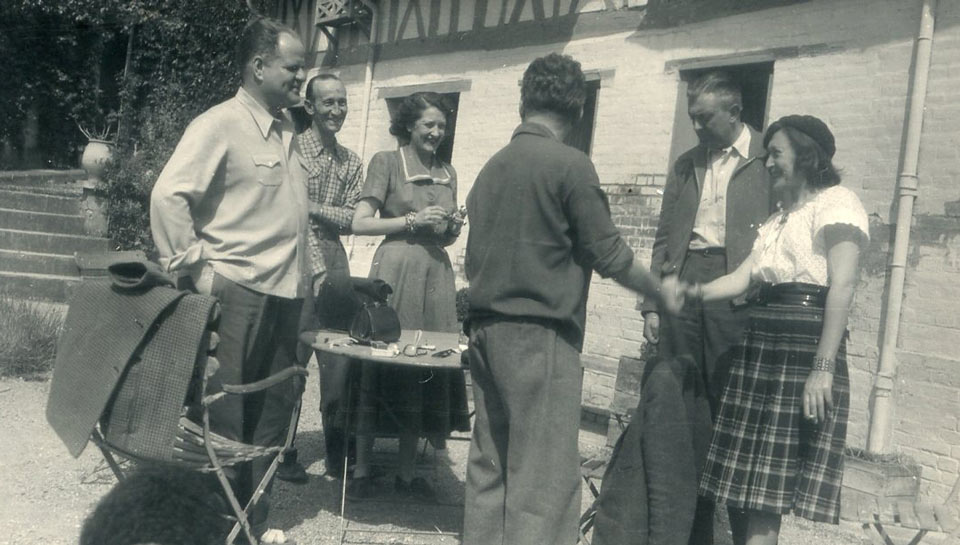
[
  {"x": 28, "y": 338},
  {"x": 180, "y": 65}
]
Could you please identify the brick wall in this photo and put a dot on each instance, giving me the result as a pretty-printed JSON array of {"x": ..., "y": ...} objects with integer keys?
[{"x": 850, "y": 65}]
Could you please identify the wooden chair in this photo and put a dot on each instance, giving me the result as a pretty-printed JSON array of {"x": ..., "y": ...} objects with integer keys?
[{"x": 921, "y": 516}]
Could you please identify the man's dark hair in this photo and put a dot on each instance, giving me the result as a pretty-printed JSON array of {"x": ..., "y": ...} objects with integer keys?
[
  {"x": 717, "y": 82},
  {"x": 325, "y": 76},
  {"x": 554, "y": 83},
  {"x": 809, "y": 157},
  {"x": 160, "y": 505},
  {"x": 410, "y": 110},
  {"x": 259, "y": 37}
]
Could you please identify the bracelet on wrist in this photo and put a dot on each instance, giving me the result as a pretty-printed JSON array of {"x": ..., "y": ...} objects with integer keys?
[
  {"x": 411, "y": 219},
  {"x": 824, "y": 364},
  {"x": 698, "y": 291}
]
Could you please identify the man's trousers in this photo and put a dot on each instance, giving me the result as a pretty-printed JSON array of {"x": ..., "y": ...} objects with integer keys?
[
  {"x": 258, "y": 337},
  {"x": 523, "y": 477},
  {"x": 710, "y": 332}
]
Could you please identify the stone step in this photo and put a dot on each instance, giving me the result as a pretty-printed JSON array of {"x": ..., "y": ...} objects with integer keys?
[
  {"x": 40, "y": 221},
  {"x": 67, "y": 245},
  {"x": 34, "y": 202},
  {"x": 49, "y": 287},
  {"x": 38, "y": 263},
  {"x": 43, "y": 177}
]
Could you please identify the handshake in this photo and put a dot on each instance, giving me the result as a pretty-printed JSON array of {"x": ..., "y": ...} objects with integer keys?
[
  {"x": 674, "y": 293},
  {"x": 671, "y": 296}
]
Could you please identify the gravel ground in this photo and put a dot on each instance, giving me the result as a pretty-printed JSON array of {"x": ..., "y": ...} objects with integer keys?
[{"x": 46, "y": 493}]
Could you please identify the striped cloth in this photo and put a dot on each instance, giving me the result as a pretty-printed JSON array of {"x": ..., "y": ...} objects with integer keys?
[{"x": 764, "y": 455}]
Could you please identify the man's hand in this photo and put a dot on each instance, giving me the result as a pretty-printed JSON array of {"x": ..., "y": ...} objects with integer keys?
[
  {"x": 651, "y": 327},
  {"x": 818, "y": 396}
]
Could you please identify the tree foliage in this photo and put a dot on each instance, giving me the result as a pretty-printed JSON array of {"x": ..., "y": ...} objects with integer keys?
[
  {"x": 180, "y": 64},
  {"x": 53, "y": 52}
]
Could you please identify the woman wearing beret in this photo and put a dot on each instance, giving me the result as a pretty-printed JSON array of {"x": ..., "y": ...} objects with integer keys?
[
  {"x": 778, "y": 439},
  {"x": 415, "y": 193}
]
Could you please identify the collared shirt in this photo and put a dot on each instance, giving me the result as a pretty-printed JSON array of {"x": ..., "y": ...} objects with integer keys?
[
  {"x": 233, "y": 196},
  {"x": 414, "y": 170},
  {"x": 333, "y": 184},
  {"x": 539, "y": 225},
  {"x": 709, "y": 228}
]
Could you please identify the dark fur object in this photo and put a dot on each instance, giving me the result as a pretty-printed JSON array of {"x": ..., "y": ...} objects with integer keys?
[{"x": 161, "y": 506}]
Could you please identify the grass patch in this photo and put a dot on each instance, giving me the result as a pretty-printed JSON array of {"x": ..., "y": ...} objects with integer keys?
[
  {"x": 28, "y": 338},
  {"x": 891, "y": 458}
]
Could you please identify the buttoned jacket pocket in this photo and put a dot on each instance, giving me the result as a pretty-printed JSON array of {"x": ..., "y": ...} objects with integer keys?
[{"x": 269, "y": 169}]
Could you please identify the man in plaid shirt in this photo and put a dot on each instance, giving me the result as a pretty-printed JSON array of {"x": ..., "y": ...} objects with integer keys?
[{"x": 333, "y": 186}]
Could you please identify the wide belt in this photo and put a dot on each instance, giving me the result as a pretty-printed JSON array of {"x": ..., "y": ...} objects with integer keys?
[
  {"x": 712, "y": 251},
  {"x": 792, "y": 293}
]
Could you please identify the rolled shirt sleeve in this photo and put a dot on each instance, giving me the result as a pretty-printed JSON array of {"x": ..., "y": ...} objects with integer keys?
[{"x": 597, "y": 241}]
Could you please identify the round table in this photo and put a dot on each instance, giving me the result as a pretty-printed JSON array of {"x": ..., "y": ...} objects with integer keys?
[{"x": 339, "y": 342}]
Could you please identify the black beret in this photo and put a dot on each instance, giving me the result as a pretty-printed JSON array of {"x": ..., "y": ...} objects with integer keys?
[{"x": 809, "y": 125}]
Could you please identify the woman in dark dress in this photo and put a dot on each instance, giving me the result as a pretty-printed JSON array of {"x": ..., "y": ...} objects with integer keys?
[
  {"x": 415, "y": 194},
  {"x": 779, "y": 436}
]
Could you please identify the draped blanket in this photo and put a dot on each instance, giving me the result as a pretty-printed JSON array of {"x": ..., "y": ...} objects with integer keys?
[{"x": 127, "y": 354}]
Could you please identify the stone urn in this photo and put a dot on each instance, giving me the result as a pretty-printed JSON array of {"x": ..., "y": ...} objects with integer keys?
[{"x": 95, "y": 158}]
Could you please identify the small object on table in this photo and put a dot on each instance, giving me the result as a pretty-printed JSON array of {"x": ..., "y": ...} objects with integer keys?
[{"x": 389, "y": 351}]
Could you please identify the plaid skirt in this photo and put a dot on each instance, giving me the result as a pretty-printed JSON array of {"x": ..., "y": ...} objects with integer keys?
[{"x": 764, "y": 455}]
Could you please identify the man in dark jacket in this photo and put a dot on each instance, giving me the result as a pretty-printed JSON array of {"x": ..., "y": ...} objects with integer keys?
[
  {"x": 540, "y": 225},
  {"x": 716, "y": 196}
]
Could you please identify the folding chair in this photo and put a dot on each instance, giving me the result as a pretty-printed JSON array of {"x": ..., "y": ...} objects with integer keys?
[
  {"x": 591, "y": 471},
  {"x": 148, "y": 400},
  {"x": 920, "y": 516},
  {"x": 202, "y": 450}
]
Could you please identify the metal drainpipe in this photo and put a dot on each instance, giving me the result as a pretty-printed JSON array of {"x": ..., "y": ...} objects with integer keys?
[
  {"x": 878, "y": 439},
  {"x": 367, "y": 90}
]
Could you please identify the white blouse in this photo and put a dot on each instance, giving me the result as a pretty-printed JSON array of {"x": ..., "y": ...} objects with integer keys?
[{"x": 790, "y": 245}]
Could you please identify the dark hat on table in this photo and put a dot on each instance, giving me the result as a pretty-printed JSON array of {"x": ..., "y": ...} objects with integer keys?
[{"x": 809, "y": 125}]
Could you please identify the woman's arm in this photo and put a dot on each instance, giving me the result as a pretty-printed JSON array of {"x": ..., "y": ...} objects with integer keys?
[
  {"x": 843, "y": 263},
  {"x": 726, "y": 287},
  {"x": 365, "y": 221}
]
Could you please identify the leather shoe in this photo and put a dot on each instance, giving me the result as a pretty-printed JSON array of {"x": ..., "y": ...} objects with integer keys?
[
  {"x": 292, "y": 472},
  {"x": 361, "y": 488},
  {"x": 418, "y": 488}
]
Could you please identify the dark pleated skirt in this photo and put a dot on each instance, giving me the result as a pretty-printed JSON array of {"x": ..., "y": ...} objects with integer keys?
[{"x": 764, "y": 455}]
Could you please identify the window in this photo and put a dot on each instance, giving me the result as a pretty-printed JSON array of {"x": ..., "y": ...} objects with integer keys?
[
  {"x": 581, "y": 136},
  {"x": 445, "y": 151},
  {"x": 754, "y": 80},
  {"x": 450, "y": 90}
]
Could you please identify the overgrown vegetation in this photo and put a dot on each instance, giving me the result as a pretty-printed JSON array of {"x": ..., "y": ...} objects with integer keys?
[
  {"x": 889, "y": 458},
  {"x": 28, "y": 338},
  {"x": 58, "y": 60},
  {"x": 181, "y": 63},
  {"x": 150, "y": 66}
]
